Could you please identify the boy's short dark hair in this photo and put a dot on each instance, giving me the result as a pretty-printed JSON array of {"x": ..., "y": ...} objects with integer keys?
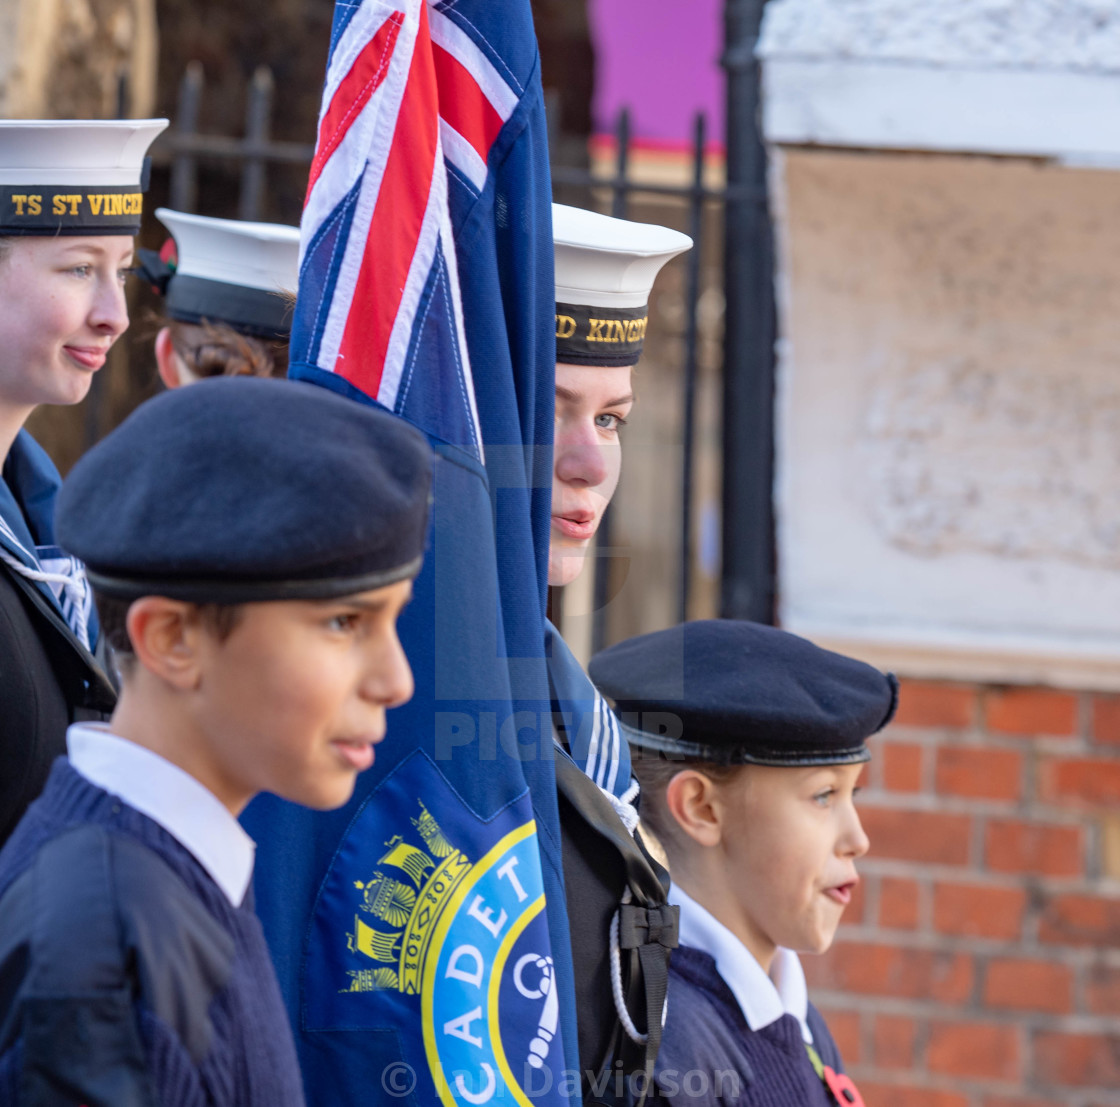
[{"x": 112, "y": 611}]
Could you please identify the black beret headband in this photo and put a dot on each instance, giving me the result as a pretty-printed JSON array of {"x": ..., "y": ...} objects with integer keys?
[{"x": 225, "y": 591}]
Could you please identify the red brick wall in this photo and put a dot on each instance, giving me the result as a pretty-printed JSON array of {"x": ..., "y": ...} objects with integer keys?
[{"x": 980, "y": 963}]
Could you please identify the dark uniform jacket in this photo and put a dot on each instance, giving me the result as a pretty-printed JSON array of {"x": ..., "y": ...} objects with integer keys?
[
  {"x": 711, "y": 1058},
  {"x": 127, "y": 977},
  {"x": 47, "y": 676}
]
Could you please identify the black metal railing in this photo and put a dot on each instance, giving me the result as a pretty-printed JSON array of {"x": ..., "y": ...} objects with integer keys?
[{"x": 182, "y": 146}]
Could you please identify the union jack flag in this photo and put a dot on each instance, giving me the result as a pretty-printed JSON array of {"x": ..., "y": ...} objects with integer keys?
[
  {"x": 414, "y": 97},
  {"x": 426, "y": 286}
]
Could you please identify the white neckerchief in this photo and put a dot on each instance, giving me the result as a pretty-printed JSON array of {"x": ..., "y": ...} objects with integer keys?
[
  {"x": 763, "y": 999},
  {"x": 187, "y": 810}
]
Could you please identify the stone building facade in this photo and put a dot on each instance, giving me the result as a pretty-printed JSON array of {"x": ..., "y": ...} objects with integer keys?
[{"x": 948, "y": 501}]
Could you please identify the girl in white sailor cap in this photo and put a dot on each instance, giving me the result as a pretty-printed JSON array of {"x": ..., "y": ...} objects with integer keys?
[
  {"x": 228, "y": 288},
  {"x": 605, "y": 269},
  {"x": 70, "y": 204}
]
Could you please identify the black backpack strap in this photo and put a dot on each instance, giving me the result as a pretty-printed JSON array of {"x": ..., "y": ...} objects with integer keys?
[
  {"x": 652, "y": 933},
  {"x": 647, "y": 928}
]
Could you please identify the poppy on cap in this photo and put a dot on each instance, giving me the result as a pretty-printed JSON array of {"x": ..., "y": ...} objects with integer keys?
[{"x": 228, "y": 271}]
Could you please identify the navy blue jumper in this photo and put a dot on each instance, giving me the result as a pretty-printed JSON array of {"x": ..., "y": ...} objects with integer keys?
[
  {"x": 127, "y": 978},
  {"x": 710, "y": 1057}
]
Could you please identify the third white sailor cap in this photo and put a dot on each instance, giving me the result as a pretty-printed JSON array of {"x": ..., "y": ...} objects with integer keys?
[{"x": 230, "y": 271}]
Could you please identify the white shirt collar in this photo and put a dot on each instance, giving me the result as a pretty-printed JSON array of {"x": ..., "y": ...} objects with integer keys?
[
  {"x": 763, "y": 999},
  {"x": 187, "y": 810}
]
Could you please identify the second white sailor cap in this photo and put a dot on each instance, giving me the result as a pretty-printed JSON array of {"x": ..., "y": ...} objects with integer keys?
[
  {"x": 73, "y": 177},
  {"x": 605, "y": 269},
  {"x": 229, "y": 271}
]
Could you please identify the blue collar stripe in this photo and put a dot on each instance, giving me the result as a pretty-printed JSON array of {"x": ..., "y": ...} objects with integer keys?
[{"x": 590, "y": 726}]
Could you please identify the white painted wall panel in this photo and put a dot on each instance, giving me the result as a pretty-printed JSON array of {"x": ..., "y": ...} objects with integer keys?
[{"x": 890, "y": 105}]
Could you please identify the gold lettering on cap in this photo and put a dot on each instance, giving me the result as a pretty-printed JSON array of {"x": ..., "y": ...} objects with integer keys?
[
  {"x": 34, "y": 205},
  {"x": 19, "y": 201},
  {"x": 565, "y": 326},
  {"x": 95, "y": 203},
  {"x": 616, "y": 330}
]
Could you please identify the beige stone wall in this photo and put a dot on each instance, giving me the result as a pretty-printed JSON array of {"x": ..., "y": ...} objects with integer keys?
[
  {"x": 948, "y": 499},
  {"x": 63, "y": 59},
  {"x": 949, "y": 416},
  {"x": 949, "y": 505}
]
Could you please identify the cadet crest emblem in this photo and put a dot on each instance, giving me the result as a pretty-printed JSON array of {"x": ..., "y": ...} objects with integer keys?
[{"x": 460, "y": 942}]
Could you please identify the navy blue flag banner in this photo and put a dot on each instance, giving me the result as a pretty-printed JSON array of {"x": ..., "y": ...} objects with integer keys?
[{"x": 420, "y": 933}]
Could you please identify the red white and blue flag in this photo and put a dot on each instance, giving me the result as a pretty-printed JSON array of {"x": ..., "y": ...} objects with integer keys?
[
  {"x": 420, "y": 933},
  {"x": 410, "y": 100}
]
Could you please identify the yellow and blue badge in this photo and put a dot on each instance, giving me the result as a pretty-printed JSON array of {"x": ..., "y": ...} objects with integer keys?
[{"x": 410, "y": 921}]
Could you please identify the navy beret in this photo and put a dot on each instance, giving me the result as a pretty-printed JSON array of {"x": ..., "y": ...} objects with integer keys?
[
  {"x": 734, "y": 692},
  {"x": 239, "y": 489}
]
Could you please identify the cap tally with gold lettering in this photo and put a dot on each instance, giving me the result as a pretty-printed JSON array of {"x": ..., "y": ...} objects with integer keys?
[
  {"x": 73, "y": 177},
  {"x": 230, "y": 271},
  {"x": 605, "y": 269}
]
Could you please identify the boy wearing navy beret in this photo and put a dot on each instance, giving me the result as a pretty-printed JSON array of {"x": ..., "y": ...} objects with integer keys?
[
  {"x": 251, "y": 543},
  {"x": 748, "y": 743}
]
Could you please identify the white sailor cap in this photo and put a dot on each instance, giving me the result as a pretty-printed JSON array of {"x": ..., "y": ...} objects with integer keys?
[
  {"x": 73, "y": 177},
  {"x": 605, "y": 269},
  {"x": 230, "y": 271}
]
